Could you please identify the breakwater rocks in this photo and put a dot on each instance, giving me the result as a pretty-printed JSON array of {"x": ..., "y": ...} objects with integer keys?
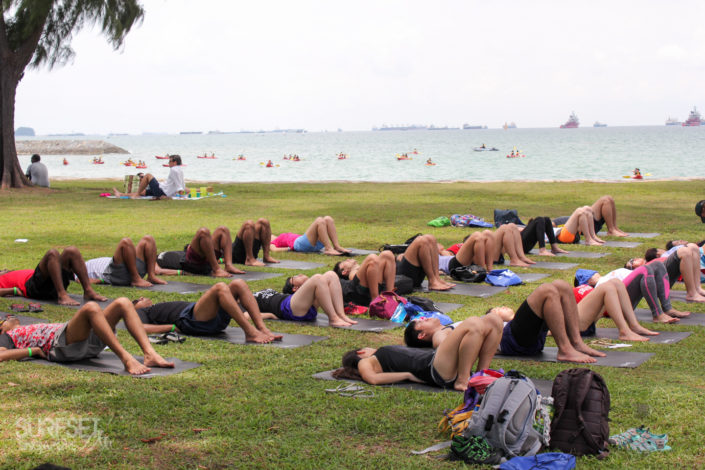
[{"x": 66, "y": 147}]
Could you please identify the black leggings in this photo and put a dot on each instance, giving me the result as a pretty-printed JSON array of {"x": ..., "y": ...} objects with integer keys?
[{"x": 535, "y": 232}]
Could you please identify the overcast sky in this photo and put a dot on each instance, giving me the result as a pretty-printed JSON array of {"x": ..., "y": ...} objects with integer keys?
[{"x": 236, "y": 65}]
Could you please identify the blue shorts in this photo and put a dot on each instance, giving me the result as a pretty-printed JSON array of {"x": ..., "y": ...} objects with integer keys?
[
  {"x": 153, "y": 189},
  {"x": 287, "y": 314},
  {"x": 302, "y": 244},
  {"x": 508, "y": 346},
  {"x": 189, "y": 326}
]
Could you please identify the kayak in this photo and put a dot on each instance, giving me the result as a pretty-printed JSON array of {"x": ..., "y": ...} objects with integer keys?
[
  {"x": 161, "y": 158},
  {"x": 485, "y": 149}
]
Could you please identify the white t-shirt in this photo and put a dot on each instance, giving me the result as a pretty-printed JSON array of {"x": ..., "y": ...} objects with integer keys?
[
  {"x": 96, "y": 267},
  {"x": 620, "y": 274},
  {"x": 174, "y": 183}
]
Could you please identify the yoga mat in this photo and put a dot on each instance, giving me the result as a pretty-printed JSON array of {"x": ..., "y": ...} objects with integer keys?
[
  {"x": 76, "y": 297},
  {"x": 544, "y": 386},
  {"x": 362, "y": 252},
  {"x": 636, "y": 234},
  {"x": 473, "y": 290},
  {"x": 179, "y": 287},
  {"x": 253, "y": 276},
  {"x": 24, "y": 320},
  {"x": 628, "y": 359},
  {"x": 664, "y": 337},
  {"x": 616, "y": 244},
  {"x": 532, "y": 277},
  {"x": 698, "y": 319},
  {"x": 446, "y": 307},
  {"x": 108, "y": 362},
  {"x": 293, "y": 264},
  {"x": 544, "y": 265},
  {"x": 363, "y": 324},
  {"x": 576, "y": 254},
  {"x": 290, "y": 341}
]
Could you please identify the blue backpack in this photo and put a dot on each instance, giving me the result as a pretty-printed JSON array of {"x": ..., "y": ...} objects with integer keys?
[
  {"x": 547, "y": 461},
  {"x": 503, "y": 278}
]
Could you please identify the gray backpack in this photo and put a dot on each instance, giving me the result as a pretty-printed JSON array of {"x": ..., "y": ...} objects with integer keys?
[{"x": 506, "y": 417}]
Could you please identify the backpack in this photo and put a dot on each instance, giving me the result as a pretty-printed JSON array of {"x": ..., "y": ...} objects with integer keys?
[
  {"x": 171, "y": 259},
  {"x": 580, "y": 422},
  {"x": 403, "y": 284},
  {"x": 468, "y": 220},
  {"x": 503, "y": 278},
  {"x": 472, "y": 273},
  {"x": 506, "y": 216},
  {"x": 424, "y": 302},
  {"x": 384, "y": 304},
  {"x": 506, "y": 414}
]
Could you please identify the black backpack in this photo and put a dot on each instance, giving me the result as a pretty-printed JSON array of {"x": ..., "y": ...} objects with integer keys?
[
  {"x": 403, "y": 284},
  {"x": 580, "y": 424},
  {"x": 472, "y": 273}
]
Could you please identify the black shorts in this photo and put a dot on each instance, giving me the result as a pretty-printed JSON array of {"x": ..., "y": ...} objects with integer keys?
[
  {"x": 153, "y": 189},
  {"x": 239, "y": 250},
  {"x": 41, "y": 288},
  {"x": 357, "y": 293},
  {"x": 599, "y": 224},
  {"x": 415, "y": 273},
  {"x": 528, "y": 329},
  {"x": 453, "y": 263}
]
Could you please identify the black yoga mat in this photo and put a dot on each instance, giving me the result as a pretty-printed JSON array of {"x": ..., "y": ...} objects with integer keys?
[
  {"x": 679, "y": 296},
  {"x": 636, "y": 234},
  {"x": 474, "y": 290},
  {"x": 446, "y": 307},
  {"x": 108, "y": 362},
  {"x": 363, "y": 324},
  {"x": 237, "y": 336},
  {"x": 293, "y": 264},
  {"x": 577, "y": 254},
  {"x": 698, "y": 319},
  {"x": 616, "y": 244},
  {"x": 628, "y": 359},
  {"x": 544, "y": 386},
  {"x": 76, "y": 297},
  {"x": 25, "y": 320},
  {"x": 664, "y": 337}
]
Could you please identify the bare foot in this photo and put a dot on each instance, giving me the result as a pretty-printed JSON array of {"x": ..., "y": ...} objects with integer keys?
[
  {"x": 677, "y": 313},
  {"x": 272, "y": 336},
  {"x": 519, "y": 263},
  {"x": 253, "y": 262},
  {"x": 155, "y": 360},
  {"x": 258, "y": 337},
  {"x": 695, "y": 298},
  {"x": 584, "y": 348},
  {"x": 342, "y": 250},
  {"x": 269, "y": 259},
  {"x": 348, "y": 319},
  {"x": 93, "y": 295},
  {"x": 233, "y": 270},
  {"x": 220, "y": 273},
  {"x": 593, "y": 243},
  {"x": 545, "y": 252},
  {"x": 134, "y": 367},
  {"x": 574, "y": 356},
  {"x": 663, "y": 318},
  {"x": 631, "y": 336},
  {"x": 338, "y": 323},
  {"x": 332, "y": 252},
  {"x": 142, "y": 283},
  {"x": 441, "y": 285},
  {"x": 617, "y": 233},
  {"x": 155, "y": 280},
  {"x": 461, "y": 386},
  {"x": 66, "y": 300},
  {"x": 117, "y": 193},
  {"x": 559, "y": 250},
  {"x": 643, "y": 331}
]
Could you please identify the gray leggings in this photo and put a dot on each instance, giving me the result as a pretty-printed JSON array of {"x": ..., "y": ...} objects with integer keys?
[{"x": 650, "y": 282}]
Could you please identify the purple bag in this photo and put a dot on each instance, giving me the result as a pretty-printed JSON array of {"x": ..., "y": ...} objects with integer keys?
[{"x": 384, "y": 304}]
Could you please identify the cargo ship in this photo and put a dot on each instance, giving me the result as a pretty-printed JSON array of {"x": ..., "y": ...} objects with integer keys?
[
  {"x": 693, "y": 119},
  {"x": 572, "y": 122},
  {"x": 673, "y": 122},
  {"x": 599, "y": 124}
]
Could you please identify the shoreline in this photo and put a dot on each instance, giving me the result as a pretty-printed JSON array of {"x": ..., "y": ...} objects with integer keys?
[{"x": 620, "y": 180}]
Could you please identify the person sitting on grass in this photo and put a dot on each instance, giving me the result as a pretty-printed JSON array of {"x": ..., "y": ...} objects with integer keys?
[
  {"x": 129, "y": 265},
  {"x": 51, "y": 277},
  {"x": 202, "y": 254},
  {"x": 320, "y": 235},
  {"x": 149, "y": 186},
  {"x": 449, "y": 366},
  {"x": 361, "y": 282},
  {"x": 581, "y": 221},
  {"x": 551, "y": 306},
  {"x": 420, "y": 260},
  {"x": 84, "y": 336},
  {"x": 477, "y": 248},
  {"x": 210, "y": 315},
  {"x": 301, "y": 298},
  {"x": 612, "y": 298},
  {"x": 680, "y": 259},
  {"x": 248, "y": 242}
]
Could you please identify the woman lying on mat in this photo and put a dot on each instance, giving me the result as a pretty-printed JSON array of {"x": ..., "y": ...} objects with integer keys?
[
  {"x": 210, "y": 315},
  {"x": 320, "y": 235},
  {"x": 82, "y": 337},
  {"x": 362, "y": 282},
  {"x": 680, "y": 259},
  {"x": 448, "y": 366},
  {"x": 301, "y": 298},
  {"x": 581, "y": 221}
]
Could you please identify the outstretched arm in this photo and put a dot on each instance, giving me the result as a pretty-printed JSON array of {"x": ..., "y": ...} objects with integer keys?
[
  {"x": 373, "y": 377},
  {"x": 17, "y": 354}
]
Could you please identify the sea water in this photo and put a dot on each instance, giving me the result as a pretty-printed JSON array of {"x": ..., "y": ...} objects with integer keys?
[{"x": 599, "y": 154}]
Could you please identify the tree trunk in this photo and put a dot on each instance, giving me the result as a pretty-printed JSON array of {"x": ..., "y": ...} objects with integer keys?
[{"x": 11, "y": 174}]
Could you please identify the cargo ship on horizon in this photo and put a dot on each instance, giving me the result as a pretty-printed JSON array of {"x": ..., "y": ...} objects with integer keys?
[
  {"x": 693, "y": 119},
  {"x": 572, "y": 122}
]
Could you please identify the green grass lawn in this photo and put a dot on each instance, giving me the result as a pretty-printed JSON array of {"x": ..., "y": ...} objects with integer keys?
[{"x": 257, "y": 406}]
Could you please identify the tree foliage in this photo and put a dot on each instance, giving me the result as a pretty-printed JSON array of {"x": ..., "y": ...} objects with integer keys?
[{"x": 39, "y": 32}]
